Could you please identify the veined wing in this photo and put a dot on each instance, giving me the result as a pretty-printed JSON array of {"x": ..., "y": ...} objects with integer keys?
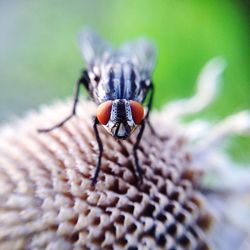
[
  {"x": 143, "y": 54},
  {"x": 93, "y": 48}
]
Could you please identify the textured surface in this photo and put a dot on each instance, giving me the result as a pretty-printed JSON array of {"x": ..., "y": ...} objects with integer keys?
[{"x": 47, "y": 201}]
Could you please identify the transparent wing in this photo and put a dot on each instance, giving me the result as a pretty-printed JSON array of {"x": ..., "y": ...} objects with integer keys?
[
  {"x": 93, "y": 47},
  {"x": 143, "y": 53}
]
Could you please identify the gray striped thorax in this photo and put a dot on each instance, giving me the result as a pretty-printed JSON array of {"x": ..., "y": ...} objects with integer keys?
[{"x": 117, "y": 80}]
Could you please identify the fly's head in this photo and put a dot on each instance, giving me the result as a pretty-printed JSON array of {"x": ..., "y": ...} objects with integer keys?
[{"x": 120, "y": 117}]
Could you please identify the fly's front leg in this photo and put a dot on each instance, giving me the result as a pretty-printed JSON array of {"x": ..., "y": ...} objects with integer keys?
[
  {"x": 82, "y": 80},
  {"x": 135, "y": 148},
  {"x": 100, "y": 147},
  {"x": 150, "y": 102}
]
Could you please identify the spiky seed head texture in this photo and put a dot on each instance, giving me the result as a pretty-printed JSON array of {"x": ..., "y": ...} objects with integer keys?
[{"x": 47, "y": 201}]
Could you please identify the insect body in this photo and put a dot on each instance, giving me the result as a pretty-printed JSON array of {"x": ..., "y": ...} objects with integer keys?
[{"x": 118, "y": 81}]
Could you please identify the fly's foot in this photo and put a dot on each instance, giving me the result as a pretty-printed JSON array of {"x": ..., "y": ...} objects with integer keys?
[{"x": 93, "y": 182}]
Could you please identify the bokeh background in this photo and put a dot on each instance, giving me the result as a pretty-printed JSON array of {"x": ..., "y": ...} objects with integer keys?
[{"x": 40, "y": 59}]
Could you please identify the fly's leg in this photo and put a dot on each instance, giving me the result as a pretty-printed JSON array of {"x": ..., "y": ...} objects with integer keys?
[
  {"x": 82, "y": 80},
  {"x": 135, "y": 148},
  {"x": 100, "y": 146},
  {"x": 150, "y": 102}
]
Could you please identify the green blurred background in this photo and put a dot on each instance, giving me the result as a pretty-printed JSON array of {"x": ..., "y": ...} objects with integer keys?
[{"x": 40, "y": 58}]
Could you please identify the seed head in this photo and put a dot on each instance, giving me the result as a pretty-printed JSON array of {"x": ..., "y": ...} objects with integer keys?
[{"x": 48, "y": 202}]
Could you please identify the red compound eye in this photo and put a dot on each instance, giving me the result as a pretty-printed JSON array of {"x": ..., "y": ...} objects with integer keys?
[
  {"x": 137, "y": 111},
  {"x": 103, "y": 112}
]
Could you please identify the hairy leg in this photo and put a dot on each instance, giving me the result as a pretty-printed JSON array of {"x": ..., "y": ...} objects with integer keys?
[
  {"x": 100, "y": 146},
  {"x": 135, "y": 148},
  {"x": 81, "y": 80},
  {"x": 150, "y": 102}
]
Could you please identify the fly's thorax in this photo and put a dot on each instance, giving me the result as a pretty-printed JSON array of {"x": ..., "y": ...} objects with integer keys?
[
  {"x": 118, "y": 79},
  {"x": 120, "y": 117}
]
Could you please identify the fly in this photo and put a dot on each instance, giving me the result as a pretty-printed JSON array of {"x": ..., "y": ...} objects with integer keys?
[{"x": 118, "y": 81}]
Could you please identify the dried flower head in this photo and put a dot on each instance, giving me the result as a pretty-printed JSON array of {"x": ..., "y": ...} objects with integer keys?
[{"x": 47, "y": 201}]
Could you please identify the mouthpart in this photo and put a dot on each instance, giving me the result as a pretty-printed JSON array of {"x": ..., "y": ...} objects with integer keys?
[{"x": 121, "y": 131}]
